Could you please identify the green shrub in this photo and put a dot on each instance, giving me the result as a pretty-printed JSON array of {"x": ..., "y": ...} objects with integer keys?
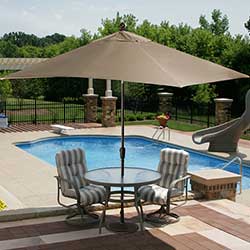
[
  {"x": 99, "y": 118},
  {"x": 131, "y": 117},
  {"x": 150, "y": 116},
  {"x": 139, "y": 117}
]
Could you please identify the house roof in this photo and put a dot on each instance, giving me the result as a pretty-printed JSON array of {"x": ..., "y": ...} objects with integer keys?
[{"x": 18, "y": 63}]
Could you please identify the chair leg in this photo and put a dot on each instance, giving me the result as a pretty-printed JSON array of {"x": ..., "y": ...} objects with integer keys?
[
  {"x": 140, "y": 212},
  {"x": 102, "y": 219},
  {"x": 164, "y": 215},
  {"x": 81, "y": 211}
]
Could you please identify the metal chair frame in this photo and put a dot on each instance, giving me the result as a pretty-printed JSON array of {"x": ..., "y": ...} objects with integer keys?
[
  {"x": 164, "y": 210},
  {"x": 82, "y": 210}
]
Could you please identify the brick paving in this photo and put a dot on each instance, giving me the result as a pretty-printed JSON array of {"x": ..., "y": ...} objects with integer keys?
[
  {"x": 232, "y": 226},
  {"x": 57, "y": 235}
]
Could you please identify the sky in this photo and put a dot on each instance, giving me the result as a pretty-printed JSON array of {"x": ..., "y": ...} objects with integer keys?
[{"x": 68, "y": 17}]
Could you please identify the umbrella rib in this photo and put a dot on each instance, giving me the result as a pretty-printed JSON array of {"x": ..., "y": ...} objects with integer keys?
[{"x": 159, "y": 65}]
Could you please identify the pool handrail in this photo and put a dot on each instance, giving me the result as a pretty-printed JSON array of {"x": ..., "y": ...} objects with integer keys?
[{"x": 237, "y": 158}]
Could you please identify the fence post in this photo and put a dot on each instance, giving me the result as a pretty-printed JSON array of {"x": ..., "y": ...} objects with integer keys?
[
  {"x": 176, "y": 111},
  {"x": 64, "y": 111},
  {"x": 35, "y": 113},
  {"x": 5, "y": 108},
  {"x": 208, "y": 117},
  {"x": 191, "y": 112}
]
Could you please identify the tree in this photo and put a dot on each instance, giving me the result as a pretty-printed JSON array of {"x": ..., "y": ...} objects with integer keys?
[
  {"x": 30, "y": 51},
  {"x": 219, "y": 24},
  {"x": 21, "y": 39},
  {"x": 51, "y": 39},
  {"x": 30, "y": 89},
  {"x": 247, "y": 25},
  {"x": 204, "y": 93},
  {"x": 7, "y": 49},
  {"x": 68, "y": 44},
  {"x": 85, "y": 37},
  {"x": 134, "y": 95},
  {"x": 5, "y": 88},
  {"x": 110, "y": 26}
]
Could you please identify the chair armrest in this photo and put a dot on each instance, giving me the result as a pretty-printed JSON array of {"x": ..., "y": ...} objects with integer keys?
[
  {"x": 60, "y": 179},
  {"x": 175, "y": 182}
]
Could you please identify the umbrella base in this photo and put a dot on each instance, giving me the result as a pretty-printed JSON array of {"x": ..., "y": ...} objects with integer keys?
[{"x": 122, "y": 227}]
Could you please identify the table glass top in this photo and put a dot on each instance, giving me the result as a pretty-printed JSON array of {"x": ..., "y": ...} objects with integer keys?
[{"x": 132, "y": 176}]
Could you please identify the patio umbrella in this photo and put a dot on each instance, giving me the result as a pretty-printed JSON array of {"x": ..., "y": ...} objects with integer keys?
[{"x": 128, "y": 57}]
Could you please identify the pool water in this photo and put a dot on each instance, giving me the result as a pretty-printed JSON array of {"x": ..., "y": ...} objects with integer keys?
[{"x": 103, "y": 151}]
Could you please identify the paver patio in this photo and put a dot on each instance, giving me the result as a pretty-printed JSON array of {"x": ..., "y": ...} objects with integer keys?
[{"x": 201, "y": 227}]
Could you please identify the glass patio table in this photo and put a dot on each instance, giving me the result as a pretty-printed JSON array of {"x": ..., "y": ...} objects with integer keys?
[{"x": 133, "y": 177}]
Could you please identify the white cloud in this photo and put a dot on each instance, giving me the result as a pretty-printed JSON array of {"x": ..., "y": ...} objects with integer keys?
[
  {"x": 69, "y": 16},
  {"x": 58, "y": 16}
]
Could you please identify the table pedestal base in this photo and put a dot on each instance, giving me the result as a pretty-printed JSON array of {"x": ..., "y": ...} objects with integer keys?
[{"x": 122, "y": 227}]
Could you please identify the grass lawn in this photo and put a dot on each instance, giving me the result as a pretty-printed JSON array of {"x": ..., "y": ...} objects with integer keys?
[
  {"x": 177, "y": 125},
  {"x": 245, "y": 136}
]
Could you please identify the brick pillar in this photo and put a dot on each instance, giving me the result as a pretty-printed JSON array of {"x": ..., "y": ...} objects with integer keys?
[
  {"x": 165, "y": 102},
  {"x": 108, "y": 111},
  {"x": 222, "y": 110},
  {"x": 90, "y": 108}
]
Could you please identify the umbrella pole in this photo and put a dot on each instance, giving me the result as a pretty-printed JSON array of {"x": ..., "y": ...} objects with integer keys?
[
  {"x": 122, "y": 226},
  {"x": 122, "y": 151}
]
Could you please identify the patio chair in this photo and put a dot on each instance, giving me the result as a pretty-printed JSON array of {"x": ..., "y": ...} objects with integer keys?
[
  {"x": 71, "y": 167},
  {"x": 173, "y": 183}
]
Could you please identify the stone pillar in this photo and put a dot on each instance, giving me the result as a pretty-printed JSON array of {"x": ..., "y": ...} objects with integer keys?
[
  {"x": 90, "y": 108},
  {"x": 165, "y": 102},
  {"x": 222, "y": 110},
  {"x": 108, "y": 111}
]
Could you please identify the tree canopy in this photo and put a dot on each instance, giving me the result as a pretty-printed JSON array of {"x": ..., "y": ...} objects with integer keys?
[{"x": 211, "y": 40}]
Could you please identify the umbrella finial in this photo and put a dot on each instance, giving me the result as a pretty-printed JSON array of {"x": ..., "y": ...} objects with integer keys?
[{"x": 122, "y": 26}]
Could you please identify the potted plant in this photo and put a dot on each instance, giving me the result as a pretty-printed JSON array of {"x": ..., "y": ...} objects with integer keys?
[{"x": 163, "y": 119}]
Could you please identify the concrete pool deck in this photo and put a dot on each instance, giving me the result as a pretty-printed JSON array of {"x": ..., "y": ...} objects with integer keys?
[{"x": 27, "y": 182}]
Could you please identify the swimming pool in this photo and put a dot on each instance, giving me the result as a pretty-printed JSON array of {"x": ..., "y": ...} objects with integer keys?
[{"x": 103, "y": 151}]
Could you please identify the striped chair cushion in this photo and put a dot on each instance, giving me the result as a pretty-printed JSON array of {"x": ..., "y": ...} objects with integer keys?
[
  {"x": 92, "y": 194},
  {"x": 172, "y": 166},
  {"x": 71, "y": 165},
  {"x": 156, "y": 194}
]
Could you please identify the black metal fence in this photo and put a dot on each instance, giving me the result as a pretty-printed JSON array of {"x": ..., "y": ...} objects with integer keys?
[
  {"x": 194, "y": 113},
  {"x": 40, "y": 111},
  {"x": 186, "y": 111}
]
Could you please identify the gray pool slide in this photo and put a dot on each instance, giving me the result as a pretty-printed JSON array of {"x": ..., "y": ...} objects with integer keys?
[{"x": 225, "y": 137}]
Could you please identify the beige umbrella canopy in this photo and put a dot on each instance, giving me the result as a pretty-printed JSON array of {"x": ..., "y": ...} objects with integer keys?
[{"x": 129, "y": 57}]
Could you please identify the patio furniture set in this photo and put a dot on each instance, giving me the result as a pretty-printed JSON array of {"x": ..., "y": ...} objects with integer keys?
[{"x": 95, "y": 186}]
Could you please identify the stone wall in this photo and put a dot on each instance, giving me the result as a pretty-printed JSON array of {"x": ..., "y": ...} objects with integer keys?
[
  {"x": 108, "y": 111},
  {"x": 213, "y": 192},
  {"x": 222, "y": 110},
  {"x": 165, "y": 102},
  {"x": 90, "y": 108}
]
